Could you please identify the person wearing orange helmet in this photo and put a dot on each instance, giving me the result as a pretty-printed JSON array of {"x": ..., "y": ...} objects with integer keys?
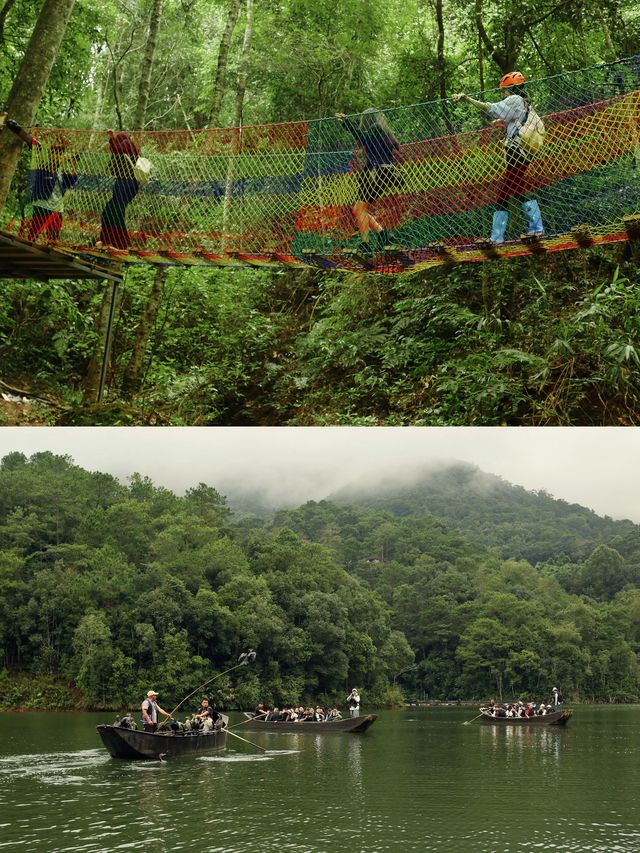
[{"x": 511, "y": 114}]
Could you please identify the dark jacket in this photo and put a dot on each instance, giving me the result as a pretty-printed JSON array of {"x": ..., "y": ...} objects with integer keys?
[{"x": 380, "y": 146}]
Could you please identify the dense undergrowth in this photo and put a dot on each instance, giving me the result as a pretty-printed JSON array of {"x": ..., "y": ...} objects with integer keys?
[
  {"x": 21, "y": 690},
  {"x": 551, "y": 340}
]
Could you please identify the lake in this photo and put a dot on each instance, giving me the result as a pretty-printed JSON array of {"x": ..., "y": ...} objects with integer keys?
[{"x": 418, "y": 780}]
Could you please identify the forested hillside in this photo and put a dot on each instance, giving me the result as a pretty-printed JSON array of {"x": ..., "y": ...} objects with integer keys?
[
  {"x": 107, "y": 588},
  {"x": 532, "y": 526},
  {"x": 543, "y": 340}
]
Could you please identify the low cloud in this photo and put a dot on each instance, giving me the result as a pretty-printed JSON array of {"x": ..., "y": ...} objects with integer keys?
[{"x": 598, "y": 468}]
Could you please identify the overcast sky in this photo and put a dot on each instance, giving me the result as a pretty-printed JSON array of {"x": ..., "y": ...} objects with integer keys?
[{"x": 596, "y": 467}]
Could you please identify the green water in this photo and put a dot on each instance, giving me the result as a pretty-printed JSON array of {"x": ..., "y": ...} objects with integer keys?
[{"x": 419, "y": 780}]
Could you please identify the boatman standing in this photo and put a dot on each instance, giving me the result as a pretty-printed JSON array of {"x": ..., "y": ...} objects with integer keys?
[
  {"x": 558, "y": 699},
  {"x": 353, "y": 703},
  {"x": 150, "y": 710}
]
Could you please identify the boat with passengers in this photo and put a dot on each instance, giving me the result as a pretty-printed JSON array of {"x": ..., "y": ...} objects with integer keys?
[
  {"x": 125, "y": 740},
  {"x": 553, "y": 718},
  {"x": 353, "y": 725}
]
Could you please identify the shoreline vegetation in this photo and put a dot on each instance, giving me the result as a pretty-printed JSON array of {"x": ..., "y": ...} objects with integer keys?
[{"x": 20, "y": 693}]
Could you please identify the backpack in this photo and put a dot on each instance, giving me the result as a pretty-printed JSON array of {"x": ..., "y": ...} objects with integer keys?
[
  {"x": 141, "y": 169},
  {"x": 532, "y": 132}
]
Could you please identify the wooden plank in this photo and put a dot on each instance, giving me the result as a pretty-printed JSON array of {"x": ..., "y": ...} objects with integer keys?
[
  {"x": 317, "y": 259},
  {"x": 365, "y": 262},
  {"x": 21, "y": 259},
  {"x": 444, "y": 252},
  {"x": 399, "y": 253}
]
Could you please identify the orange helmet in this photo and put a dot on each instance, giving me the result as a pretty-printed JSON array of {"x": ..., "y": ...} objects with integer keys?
[{"x": 513, "y": 78}]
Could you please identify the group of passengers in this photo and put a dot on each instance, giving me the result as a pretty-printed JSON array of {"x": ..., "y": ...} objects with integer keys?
[
  {"x": 519, "y": 709},
  {"x": 297, "y": 715},
  {"x": 525, "y": 709}
]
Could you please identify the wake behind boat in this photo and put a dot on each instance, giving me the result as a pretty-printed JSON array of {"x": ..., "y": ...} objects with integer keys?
[
  {"x": 354, "y": 725},
  {"x": 555, "y": 718},
  {"x": 125, "y": 742}
]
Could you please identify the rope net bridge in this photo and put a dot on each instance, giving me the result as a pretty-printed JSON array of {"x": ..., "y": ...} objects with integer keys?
[{"x": 431, "y": 176}]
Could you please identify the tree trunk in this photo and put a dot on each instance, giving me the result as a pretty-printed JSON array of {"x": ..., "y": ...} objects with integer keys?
[
  {"x": 31, "y": 79},
  {"x": 92, "y": 377},
  {"x": 238, "y": 117},
  {"x": 147, "y": 64},
  {"x": 110, "y": 67},
  {"x": 223, "y": 59},
  {"x": 514, "y": 35},
  {"x": 131, "y": 379},
  {"x": 244, "y": 66},
  {"x": 607, "y": 35},
  {"x": 440, "y": 65}
]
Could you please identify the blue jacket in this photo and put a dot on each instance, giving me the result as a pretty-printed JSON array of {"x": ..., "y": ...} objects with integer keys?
[{"x": 42, "y": 183}]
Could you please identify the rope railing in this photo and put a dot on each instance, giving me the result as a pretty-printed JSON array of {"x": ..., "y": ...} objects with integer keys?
[{"x": 440, "y": 182}]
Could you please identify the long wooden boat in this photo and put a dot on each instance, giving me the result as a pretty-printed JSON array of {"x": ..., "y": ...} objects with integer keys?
[
  {"x": 135, "y": 744},
  {"x": 354, "y": 725},
  {"x": 555, "y": 718}
]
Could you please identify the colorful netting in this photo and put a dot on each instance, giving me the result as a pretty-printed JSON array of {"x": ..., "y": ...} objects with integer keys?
[{"x": 289, "y": 193}]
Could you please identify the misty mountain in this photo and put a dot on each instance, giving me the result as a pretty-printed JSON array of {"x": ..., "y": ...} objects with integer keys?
[
  {"x": 489, "y": 511},
  {"x": 245, "y": 504}
]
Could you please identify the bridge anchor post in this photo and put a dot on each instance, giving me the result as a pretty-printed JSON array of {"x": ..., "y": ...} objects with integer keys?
[
  {"x": 488, "y": 249},
  {"x": 443, "y": 252},
  {"x": 583, "y": 236},
  {"x": 534, "y": 243},
  {"x": 632, "y": 226}
]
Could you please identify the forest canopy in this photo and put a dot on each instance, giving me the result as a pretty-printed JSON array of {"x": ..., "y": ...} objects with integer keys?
[
  {"x": 537, "y": 341},
  {"x": 107, "y": 588}
]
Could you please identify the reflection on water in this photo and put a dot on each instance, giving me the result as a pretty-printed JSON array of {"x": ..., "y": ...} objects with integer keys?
[
  {"x": 355, "y": 762},
  {"x": 547, "y": 741},
  {"x": 430, "y": 785}
]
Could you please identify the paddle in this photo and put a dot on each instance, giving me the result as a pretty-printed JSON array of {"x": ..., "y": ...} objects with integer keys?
[
  {"x": 248, "y": 720},
  {"x": 466, "y": 722},
  {"x": 251, "y": 743},
  {"x": 245, "y": 659}
]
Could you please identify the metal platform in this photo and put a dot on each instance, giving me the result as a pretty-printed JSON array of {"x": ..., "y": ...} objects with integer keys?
[{"x": 21, "y": 259}]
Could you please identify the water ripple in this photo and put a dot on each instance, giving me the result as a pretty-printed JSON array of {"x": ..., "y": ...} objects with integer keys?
[{"x": 431, "y": 785}]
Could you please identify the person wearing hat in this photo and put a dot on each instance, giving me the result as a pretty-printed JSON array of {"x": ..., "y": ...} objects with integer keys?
[
  {"x": 557, "y": 699},
  {"x": 113, "y": 225},
  {"x": 511, "y": 113},
  {"x": 150, "y": 710},
  {"x": 353, "y": 703}
]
